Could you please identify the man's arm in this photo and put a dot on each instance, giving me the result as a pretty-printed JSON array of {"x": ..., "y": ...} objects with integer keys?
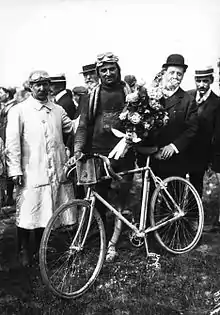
[
  {"x": 82, "y": 130},
  {"x": 67, "y": 123},
  {"x": 191, "y": 128},
  {"x": 13, "y": 142}
]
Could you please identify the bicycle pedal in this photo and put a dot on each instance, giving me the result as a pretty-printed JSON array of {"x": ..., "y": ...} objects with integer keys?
[
  {"x": 153, "y": 267},
  {"x": 153, "y": 258}
]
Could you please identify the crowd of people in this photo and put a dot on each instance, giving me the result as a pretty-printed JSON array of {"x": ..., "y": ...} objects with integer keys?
[{"x": 45, "y": 123}]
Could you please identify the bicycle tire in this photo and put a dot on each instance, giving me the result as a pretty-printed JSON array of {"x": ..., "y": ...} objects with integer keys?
[
  {"x": 182, "y": 235},
  {"x": 68, "y": 269}
]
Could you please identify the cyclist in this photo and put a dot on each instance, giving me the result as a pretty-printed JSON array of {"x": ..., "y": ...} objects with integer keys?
[{"x": 94, "y": 134}]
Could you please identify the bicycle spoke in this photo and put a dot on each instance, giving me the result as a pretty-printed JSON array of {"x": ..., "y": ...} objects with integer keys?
[
  {"x": 182, "y": 234},
  {"x": 68, "y": 265}
]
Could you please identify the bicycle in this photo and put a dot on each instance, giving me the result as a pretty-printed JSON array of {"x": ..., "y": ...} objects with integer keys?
[{"x": 72, "y": 254}]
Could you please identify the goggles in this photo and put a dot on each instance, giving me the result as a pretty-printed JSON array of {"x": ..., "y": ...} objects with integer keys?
[
  {"x": 39, "y": 76},
  {"x": 106, "y": 57}
]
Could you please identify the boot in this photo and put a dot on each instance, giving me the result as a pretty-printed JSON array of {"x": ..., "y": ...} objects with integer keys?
[
  {"x": 9, "y": 199},
  {"x": 23, "y": 250},
  {"x": 37, "y": 238}
]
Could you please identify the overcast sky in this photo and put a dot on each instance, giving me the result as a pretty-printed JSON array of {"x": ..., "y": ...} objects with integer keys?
[{"x": 62, "y": 35}]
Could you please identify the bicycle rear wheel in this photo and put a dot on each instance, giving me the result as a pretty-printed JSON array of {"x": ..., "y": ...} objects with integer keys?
[
  {"x": 68, "y": 265},
  {"x": 183, "y": 234}
]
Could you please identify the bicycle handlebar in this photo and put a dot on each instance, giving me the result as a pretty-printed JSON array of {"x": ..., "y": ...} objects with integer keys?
[
  {"x": 110, "y": 170},
  {"x": 107, "y": 165}
]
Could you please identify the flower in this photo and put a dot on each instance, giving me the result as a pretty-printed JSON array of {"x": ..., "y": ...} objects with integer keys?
[
  {"x": 123, "y": 115},
  {"x": 144, "y": 108},
  {"x": 134, "y": 118},
  {"x": 132, "y": 97},
  {"x": 142, "y": 114}
]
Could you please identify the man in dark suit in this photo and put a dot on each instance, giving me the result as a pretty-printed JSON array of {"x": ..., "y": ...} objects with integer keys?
[
  {"x": 175, "y": 137},
  {"x": 215, "y": 163},
  {"x": 199, "y": 153},
  {"x": 62, "y": 97}
]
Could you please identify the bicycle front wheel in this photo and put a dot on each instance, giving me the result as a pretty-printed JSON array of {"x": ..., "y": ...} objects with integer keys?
[
  {"x": 175, "y": 196},
  {"x": 70, "y": 261}
]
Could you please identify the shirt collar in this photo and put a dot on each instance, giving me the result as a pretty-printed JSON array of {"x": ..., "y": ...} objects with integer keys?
[
  {"x": 59, "y": 95},
  {"x": 38, "y": 105},
  {"x": 200, "y": 99}
]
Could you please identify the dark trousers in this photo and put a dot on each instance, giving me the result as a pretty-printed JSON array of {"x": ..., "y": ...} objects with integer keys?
[
  {"x": 121, "y": 189},
  {"x": 196, "y": 179}
]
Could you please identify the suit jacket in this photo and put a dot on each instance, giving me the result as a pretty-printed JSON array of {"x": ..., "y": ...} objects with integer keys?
[
  {"x": 200, "y": 150},
  {"x": 215, "y": 159},
  {"x": 83, "y": 101},
  {"x": 68, "y": 105},
  {"x": 180, "y": 130}
]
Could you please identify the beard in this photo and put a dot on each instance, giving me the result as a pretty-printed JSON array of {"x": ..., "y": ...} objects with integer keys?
[{"x": 171, "y": 84}]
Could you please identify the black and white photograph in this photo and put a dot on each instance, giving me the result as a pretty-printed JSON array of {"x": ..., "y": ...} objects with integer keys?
[{"x": 110, "y": 157}]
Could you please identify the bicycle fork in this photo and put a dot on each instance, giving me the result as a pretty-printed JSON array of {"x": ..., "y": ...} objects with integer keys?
[
  {"x": 144, "y": 204},
  {"x": 79, "y": 239}
]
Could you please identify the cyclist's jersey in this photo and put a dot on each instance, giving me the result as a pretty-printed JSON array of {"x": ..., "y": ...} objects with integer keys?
[{"x": 110, "y": 105}]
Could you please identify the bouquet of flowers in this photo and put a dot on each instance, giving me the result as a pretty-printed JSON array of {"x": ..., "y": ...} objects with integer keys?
[{"x": 143, "y": 113}]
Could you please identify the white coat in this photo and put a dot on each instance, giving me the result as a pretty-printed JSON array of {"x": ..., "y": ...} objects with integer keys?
[{"x": 35, "y": 149}]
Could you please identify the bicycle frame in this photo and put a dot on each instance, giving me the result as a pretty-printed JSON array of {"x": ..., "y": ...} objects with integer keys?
[
  {"x": 64, "y": 267},
  {"x": 142, "y": 230}
]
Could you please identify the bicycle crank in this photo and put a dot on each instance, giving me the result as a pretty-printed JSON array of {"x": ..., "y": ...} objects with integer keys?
[{"x": 135, "y": 240}]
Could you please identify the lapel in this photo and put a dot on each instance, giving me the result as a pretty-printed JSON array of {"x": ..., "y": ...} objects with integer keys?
[
  {"x": 174, "y": 99},
  {"x": 209, "y": 103}
]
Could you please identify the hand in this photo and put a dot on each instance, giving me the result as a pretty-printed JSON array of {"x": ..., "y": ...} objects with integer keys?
[
  {"x": 70, "y": 161},
  {"x": 67, "y": 152},
  {"x": 18, "y": 180},
  {"x": 158, "y": 155},
  {"x": 129, "y": 139},
  {"x": 167, "y": 152},
  {"x": 78, "y": 155}
]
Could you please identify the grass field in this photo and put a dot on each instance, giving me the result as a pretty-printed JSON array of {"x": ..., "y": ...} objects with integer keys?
[{"x": 183, "y": 284}]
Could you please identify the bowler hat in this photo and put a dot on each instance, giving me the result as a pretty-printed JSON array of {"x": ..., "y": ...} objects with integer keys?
[
  {"x": 204, "y": 71},
  {"x": 38, "y": 76},
  {"x": 58, "y": 78},
  {"x": 175, "y": 60},
  {"x": 88, "y": 68}
]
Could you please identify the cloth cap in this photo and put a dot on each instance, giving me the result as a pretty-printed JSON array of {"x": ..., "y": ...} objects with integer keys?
[
  {"x": 88, "y": 68},
  {"x": 38, "y": 76},
  {"x": 175, "y": 60},
  {"x": 204, "y": 71},
  {"x": 58, "y": 78},
  {"x": 108, "y": 57},
  {"x": 79, "y": 90}
]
